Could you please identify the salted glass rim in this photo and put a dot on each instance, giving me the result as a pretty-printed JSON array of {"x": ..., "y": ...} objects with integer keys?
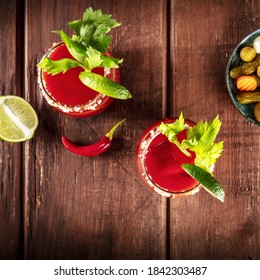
[
  {"x": 91, "y": 105},
  {"x": 143, "y": 144}
]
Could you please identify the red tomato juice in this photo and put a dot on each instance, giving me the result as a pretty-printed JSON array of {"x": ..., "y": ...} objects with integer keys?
[
  {"x": 163, "y": 162},
  {"x": 67, "y": 88},
  {"x": 68, "y": 91},
  {"x": 160, "y": 162}
]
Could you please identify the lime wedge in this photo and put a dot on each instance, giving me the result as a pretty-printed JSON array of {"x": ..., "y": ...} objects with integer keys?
[
  {"x": 18, "y": 120},
  {"x": 104, "y": 85},
  {"x": 209, "y": 183}
]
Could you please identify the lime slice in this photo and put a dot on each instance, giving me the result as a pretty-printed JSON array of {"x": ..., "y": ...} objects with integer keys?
[
  {"x": 104, "y": 85},
  {"x": 209, "y": 183},
  {"x": 18, "y": 120}
]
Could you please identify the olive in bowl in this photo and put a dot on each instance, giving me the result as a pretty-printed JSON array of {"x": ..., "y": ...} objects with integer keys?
[{"x": 243, "y": 77}]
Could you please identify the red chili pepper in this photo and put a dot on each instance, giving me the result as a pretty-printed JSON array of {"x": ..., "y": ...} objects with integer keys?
[{"x": 94, "y": 149}]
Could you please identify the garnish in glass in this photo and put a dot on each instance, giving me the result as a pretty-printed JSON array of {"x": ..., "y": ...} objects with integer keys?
[
  {"x": 200, "y": 140},
  {"x": 89, "y": 47}
]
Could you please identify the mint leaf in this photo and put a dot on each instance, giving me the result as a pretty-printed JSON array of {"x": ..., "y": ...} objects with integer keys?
[{"x": 57, "y": 66}]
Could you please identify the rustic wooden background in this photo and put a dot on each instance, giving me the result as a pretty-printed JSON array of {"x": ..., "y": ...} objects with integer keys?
[{"x": 56, "y": 205}]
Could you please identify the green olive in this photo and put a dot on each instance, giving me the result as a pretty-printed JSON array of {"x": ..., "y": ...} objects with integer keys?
[
  {"x": 247, "y": 54},
  {"x": 257, "y": 112}
]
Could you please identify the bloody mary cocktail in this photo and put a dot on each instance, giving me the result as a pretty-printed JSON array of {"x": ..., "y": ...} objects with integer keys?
[
  {"x": 66, "y": 93},
  {"x": 159, "y": 162}
]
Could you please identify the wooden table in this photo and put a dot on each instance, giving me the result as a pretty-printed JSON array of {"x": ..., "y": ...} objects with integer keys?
[{"x": 57, "y": 205}]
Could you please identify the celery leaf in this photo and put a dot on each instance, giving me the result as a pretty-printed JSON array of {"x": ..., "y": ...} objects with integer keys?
[
  {"x": 57, "y": 66},
  {"x": 200, "y": 140},
  {"x": 93, "y": 28},
  {"x": 171, "y": 130}
]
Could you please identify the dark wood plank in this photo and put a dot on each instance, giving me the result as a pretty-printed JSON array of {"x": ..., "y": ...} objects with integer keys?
[
  {"x": 82, "y": 208},
  {"x": 10, "y": 154},
  {"x": 203, "y": 36}
]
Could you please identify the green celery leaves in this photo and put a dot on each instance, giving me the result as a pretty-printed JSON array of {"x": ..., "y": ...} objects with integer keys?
[
  {"x": 93, "y": 28},
  {"x": 89, "y": 48},
  {"x": 200, "y": 140},
  {"x": 57, "y": 66},
  {"x": 91, "y": 40},
  {"x": 172, "y": 130}
]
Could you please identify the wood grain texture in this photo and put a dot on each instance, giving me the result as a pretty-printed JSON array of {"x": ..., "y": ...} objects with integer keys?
[
  {"x": 10, "y": 154},
  {"x": 95, "y": 208},
  {"x": 203, "y": 36},
  {"x": 56, "y": 205}
]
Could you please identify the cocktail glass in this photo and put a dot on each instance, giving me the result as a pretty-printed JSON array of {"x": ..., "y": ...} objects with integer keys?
[
  {"x": 67, "y": 94},
  {"x": 159, "y": 161}
]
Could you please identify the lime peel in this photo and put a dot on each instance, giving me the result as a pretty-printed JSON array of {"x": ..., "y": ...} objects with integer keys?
[
  {"x": 18, "y": 120},
  {"x": 104, "y": 85},
  {"x": 208, "y": 182}
]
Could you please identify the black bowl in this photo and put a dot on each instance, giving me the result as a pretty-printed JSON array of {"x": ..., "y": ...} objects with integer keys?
[{"x": 246, "y": 110}]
